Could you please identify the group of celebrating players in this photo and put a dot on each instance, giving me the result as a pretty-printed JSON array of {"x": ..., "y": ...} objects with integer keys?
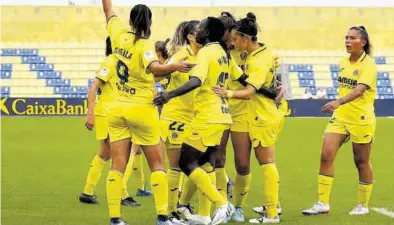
[{"x": 219, "y": 81}]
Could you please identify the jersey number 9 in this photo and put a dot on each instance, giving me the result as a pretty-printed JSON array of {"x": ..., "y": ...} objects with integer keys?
[{"x": 123, "y": 72}]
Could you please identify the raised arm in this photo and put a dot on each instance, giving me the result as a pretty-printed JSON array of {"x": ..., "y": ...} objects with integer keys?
[{"x": 107, "y": 7}]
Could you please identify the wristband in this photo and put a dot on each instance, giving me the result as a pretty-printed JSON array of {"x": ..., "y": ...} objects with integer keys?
[{"x": 230, "y": 94}]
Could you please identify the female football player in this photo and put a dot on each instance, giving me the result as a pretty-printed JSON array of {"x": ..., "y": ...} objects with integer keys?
[
  {"x": 133, "y": 116},
  {"x": 96, "y": 117},
  {"x": 353, "y": 117},
  {"x": 211, "y": 117},
  {"x": 177, "y": 113},
  {"x": 263, "y": 115}
]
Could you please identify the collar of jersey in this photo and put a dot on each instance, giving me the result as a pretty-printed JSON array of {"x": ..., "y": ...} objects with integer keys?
[
  {"x": 362, "y": 57},
  {"x": 211, "y": 43},
  {"x": 261, "y": 49}
]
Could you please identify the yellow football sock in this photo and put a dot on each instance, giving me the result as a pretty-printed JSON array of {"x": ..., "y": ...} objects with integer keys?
[
  {"x": 204, "y": 205},
  {"x": 204, "y": 184},
  {"x": 324, "y": 188},
  {"x": 364, "y": 193},
  {"x": 114, "y": 192},
  {"x": 181, "y": 179},
  {"x": 221, "y": 181},
  {"x": 138, "y": 172},
  {"x": 94, "y": 175},
  {"x": 127, "y": 173},
  {"x": 271, "y": 188},
  {"x": 173, "y": 187},
  {"x": 242, "y": 186},
  {"x": 159, "y": 185},
  {"x": 188, "y": 190}
]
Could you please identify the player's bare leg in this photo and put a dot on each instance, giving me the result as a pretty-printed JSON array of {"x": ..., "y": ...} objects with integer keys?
[
  {"x": 88, "y": 196},
  {"x": 220, "y": 162},
  {"x": 266, "y": 158},
  {"x": 361, "y": 159},
  {"x": 331, "y": 144},
  {"x": 242, "y": 149}
]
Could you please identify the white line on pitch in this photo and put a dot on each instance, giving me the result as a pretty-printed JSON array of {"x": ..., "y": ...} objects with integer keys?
[{"x": 384, "y": 212}]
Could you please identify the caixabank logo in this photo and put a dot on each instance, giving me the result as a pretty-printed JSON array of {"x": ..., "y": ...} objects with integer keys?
[{"x": 43, "y": 107}]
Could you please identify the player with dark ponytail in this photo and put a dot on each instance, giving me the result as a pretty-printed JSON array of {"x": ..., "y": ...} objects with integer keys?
[
  {"x": 136, "y": 66},
  {"x": 263, "y": 116},
  {"x": 214, "y": 67},
  {"x": 353, "y": 118}
]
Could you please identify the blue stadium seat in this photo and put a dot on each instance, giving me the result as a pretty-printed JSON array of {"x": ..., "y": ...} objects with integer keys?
[
  {"x": 335, "y": 83},
  {"x": 5, "y": 67},
  {"x": 300, "y": 68},
  {"x": 332, "y": 91},
  {"x": 334, "y": 75},
  {"x": 90, "y": 82},
  {"x": 6, "y": 74},
  {"x": 49, "y": 75},
  {"x": 33, "y": 59},
  {"x": 383, "y": 76},
  {"x": 306, "y": 76},
  {"x": 332, "y": 96},
  {"x": 57, "y": 82},
  {"x": 385, "y": 90},
  {"x": 383, "y": 83},
  {"x": 380, "y": 60},
  {"x": 41, "y": 67},
  {"x": 334, "y": 68},
  {"x": 312, "y": 90},
  {"x": 19, "y": 52},
  {"x": 307, "y": 83},
  {"x": 5, "y": 91}
]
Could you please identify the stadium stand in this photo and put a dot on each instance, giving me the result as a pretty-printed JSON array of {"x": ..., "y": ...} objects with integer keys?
[{"x": 66, "y": 51}]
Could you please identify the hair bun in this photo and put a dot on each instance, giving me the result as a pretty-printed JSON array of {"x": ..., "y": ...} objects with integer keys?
[
  {"x": 251, "y": 16},
  {"x": 225, "y": 13},
  {"x": 362, "y": 27}
]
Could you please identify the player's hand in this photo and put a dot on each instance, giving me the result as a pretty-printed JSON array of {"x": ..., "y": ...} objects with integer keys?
[
  {"x": 220, "y": 91},
  {"x": 281, "y": 91},
  {"x": 183, "y": 66},
  {"x": 161, "y": 98},
  {"x": 331, "y": 106},
  {"x": 89, "y": 124}
]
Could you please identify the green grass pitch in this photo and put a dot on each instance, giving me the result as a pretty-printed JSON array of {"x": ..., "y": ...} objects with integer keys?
[{"x": 45, "y": 162}]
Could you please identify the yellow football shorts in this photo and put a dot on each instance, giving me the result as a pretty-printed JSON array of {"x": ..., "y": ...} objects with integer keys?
[
  {"x": 173, "y": 133},
  {"x": 266, "y": 135},
  {"x": 240, "y": 124},
  {"x": 140, "y": 122},
  {"x": 202, "y": 136},
  {"x": 359, "y": 134},
  {"x": 101, "y": 126}
]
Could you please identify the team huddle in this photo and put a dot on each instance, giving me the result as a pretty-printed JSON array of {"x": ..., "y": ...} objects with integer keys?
[{"x": 219, "y": 82}]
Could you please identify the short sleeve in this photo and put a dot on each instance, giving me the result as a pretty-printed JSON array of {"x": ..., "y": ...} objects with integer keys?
[
  {"x": 147, "y": 53},
  {"x": 107, "y": 69},
  {"x": 368, "y": 75},
  {"x": 202, "y": 66},
  {"x": 257, "y": 73},
  {"x": 235, "y": 71},
  {"x": 115, "y": 27}
]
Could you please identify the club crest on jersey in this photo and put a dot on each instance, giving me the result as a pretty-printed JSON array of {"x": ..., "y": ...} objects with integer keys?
[
  {"x": 355, "y": 73},
  {"x": 174, "y": 135}
]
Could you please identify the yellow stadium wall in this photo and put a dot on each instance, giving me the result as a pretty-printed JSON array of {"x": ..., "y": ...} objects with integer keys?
[{"x": 281, "y": 28}]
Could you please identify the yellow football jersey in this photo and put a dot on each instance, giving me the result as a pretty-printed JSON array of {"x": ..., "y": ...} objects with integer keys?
[
  {"x": 213, "y": 69},
  {"x": 361, "y": 110},
  {"x": 181, "y": 108},
  {"x": 260, "y": 70},
  {"x": 134, "y": 82},
  {"x": 238, "y": 106},
  {"x": 107, "y": 74}
]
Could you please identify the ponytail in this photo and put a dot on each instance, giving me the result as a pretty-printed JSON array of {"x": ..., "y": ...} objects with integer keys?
[{"x": 141, "y": 20}]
